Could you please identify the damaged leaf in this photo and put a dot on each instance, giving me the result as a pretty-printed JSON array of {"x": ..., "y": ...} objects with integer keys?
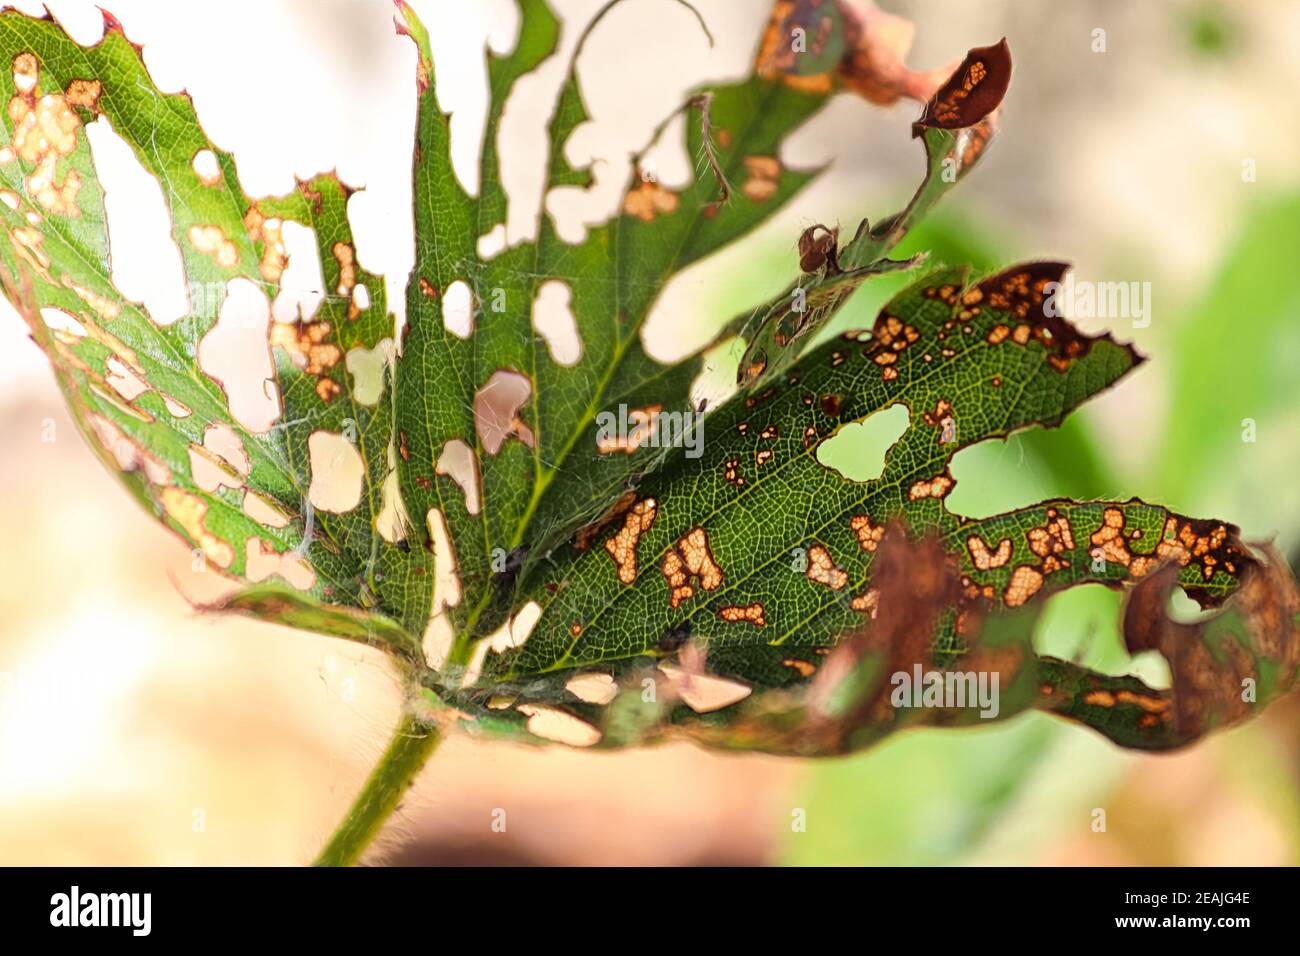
[
  {"x": 148, "y": 395},
  {"x": 955, "y": 126},
  {"x": 536, "y": 494},
  {"x": 603, "y": 587},
  {"x": 764, "y": 582}
]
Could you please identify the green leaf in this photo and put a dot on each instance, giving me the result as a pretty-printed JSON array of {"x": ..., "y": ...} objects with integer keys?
[
  {"x": 761, "y": 556},
  {"x": 733, "y": 586},
  {"x": 242, "y": 496},
  {"x": 540, "y": 481}
]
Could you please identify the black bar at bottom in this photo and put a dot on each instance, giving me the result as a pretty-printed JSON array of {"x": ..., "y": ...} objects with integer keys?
[{"x": 497, "y": 906}]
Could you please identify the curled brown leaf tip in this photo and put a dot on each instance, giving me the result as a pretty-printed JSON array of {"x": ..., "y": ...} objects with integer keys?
[
  {"x": 819, "y": 248},
  {"x": 1215, "y": 664},
  {"x": 973, "y": 91}
]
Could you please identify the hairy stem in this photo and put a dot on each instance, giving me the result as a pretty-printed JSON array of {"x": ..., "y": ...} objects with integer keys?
[{"x": 413, "y": 741}]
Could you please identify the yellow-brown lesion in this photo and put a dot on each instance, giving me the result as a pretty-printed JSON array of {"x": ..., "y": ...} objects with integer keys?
[
  {"x": 346, "y": 257},
  {"x": 942, "y": 419},
  {"x": 893, "y": 333},
  {"x": 936, "y": 487},
  {"x": 649, "y": 200},
  {"x": 189, "y": 511},
  {"x": 210, "y": 240},
  {"x": 1024, "y": 584},
  {"x": 84, "y": 94},
  {"x": 946, "y": 293},
  {"x": 1206, "y": 545},
  {"x": 869, "y": 535},
  {"x": 45, "y": 131},
  {"x": 643, "y": 421},
  {"x": 754, "y": 614},
  {"x": 1051, "y": 540},
  {"x": 947, "y": 107},
  {"x": 310, "y": 350},
  {"x": 269, "y": 232},
  {"x": 1109, "y": 538},
  {"x": 823, "y": 570},
  {"x": 764, "y": 174},
  {"x": 588, "y": 533},
  {"x": 690, "y": 563},
  {"x": 868, "y": 602},
  {"x": 622, "y": 545},
  {"x": 731, "y": 472},
  {"x": 103, "y": 306},
  {"x": 804, "y": 668},
  {"x": 986, "y": 559},
  {"x": 1021, "y": 295},
  {"x": 777, "y": 58}
]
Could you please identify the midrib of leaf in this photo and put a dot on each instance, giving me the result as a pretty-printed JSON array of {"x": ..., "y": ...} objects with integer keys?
[
  {"x": 545, "y": 475},
  {"x": 623, "y": 342}
]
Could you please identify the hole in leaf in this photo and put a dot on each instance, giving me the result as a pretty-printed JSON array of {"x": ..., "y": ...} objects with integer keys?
[
  {"x": 393, "y": 519},
  {"x": 124, "y": 381},
  {"x": 459, "y": 462},
  {"x": 236, "y": 354},
  {"x": 551, "y": 723},
  {"x": 716, "y": 382},
  {"x": 206, "y": 167},
  {"x": 263, "y": 511},
  {"x": 189, "y": 511},
  {"x": 221, "y": 438},
  {"x": 59, "y": 321},
  {"x": 703, "y": 693},
  {"x": 553, "y": 319},
  {"x": 437, "y": 641},
  {"x": 857, "y": 451},
  {"x": 220, "y": 460},
  {"x": 177, "y": 409},
  {"x": 458, "y": 309},
  {"x": 369, "y": 369},
  {"x": 446, "y": 590},
  {"x": 513, "y": 633},
  {"x": 496, "y": 410},
  {"x": 262, "y": 561},
  {"x": 493, "y": 242},
  {"x": 592, "y": 688},
  {"x": 128, "y": 454},
  {"x": 146, "y": 263},
  {"x": 337, "y": 472},
  {"x": 301, "y": 283}
]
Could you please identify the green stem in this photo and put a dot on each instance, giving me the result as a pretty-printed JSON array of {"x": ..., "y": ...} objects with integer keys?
[{"x": 413, "y": 741}]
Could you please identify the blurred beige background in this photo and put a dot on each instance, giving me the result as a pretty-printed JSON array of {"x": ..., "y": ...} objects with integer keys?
[{"x": 135, "y": 731}]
